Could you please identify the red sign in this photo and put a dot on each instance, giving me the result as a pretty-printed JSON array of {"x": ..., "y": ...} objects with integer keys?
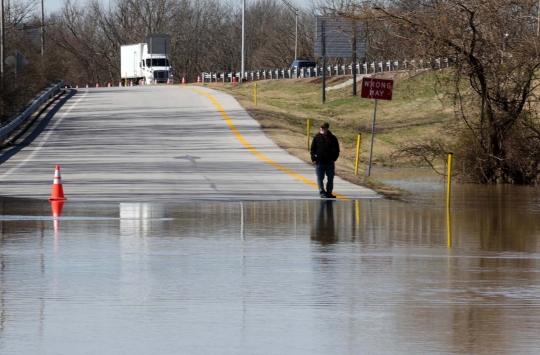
[{"x": 380, "y": 89}]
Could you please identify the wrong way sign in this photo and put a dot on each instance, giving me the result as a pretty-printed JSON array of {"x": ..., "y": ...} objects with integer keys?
[{"x": 379, "y": 89}]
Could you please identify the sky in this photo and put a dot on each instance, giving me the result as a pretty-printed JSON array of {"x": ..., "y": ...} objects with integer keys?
[{"x": 55, "y": 5}]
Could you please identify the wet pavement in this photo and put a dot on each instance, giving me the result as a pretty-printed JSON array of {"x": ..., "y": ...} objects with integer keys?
[{"x": 275, "y": 277}]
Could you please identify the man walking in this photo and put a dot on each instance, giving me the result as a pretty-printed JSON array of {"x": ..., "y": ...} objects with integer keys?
[{"x": 324, "y": 152}]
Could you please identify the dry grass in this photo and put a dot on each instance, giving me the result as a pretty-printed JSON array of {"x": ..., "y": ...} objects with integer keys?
[{"x": 283, "y": 107}]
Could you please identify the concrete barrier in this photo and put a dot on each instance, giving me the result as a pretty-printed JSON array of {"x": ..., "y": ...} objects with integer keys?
[{"x": 35, "y": 104}]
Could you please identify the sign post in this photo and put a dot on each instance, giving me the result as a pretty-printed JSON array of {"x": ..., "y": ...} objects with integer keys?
[
  {"x": 338, "y": 37},
  {"x": 377, "y": 89},
  {"x": 372, "y": 135}
]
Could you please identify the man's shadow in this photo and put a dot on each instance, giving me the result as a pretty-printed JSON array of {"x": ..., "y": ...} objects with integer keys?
[
  {"x": 325, "y": 229},
  {"x": 14, "y": 148}
]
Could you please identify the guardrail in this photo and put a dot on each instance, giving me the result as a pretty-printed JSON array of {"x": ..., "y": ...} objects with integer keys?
[
  {"x": 34, "y": 104},
  {"x": 346, "y": 69}
]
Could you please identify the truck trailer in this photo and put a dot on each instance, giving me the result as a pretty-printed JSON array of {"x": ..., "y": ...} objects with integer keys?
[{"x": 146, "y": 63}]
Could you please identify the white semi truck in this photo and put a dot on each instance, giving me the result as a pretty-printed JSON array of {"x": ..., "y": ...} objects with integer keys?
[{"x": 146, "y": 63}]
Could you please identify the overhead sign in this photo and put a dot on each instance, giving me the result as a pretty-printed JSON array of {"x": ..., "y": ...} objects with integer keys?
[
  {"x": 158, "y": 43},
  {"x": 379, "y": 89},
  {"x": 339, "y": 35}
]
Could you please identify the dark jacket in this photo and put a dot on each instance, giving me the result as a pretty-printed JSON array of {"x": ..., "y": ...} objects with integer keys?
[{"x": 324, "y": 151}]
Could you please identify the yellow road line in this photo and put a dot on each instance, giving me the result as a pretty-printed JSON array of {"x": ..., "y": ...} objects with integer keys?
[{"x": 253, "y": 150}]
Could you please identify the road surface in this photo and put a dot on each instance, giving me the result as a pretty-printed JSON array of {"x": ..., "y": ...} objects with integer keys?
[{"x": 157, "y": 144}]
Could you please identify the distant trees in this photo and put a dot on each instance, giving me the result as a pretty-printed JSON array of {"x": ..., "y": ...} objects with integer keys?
[
  {"x": 205, "y": 35},
  {"x": 22, "y": 34}
]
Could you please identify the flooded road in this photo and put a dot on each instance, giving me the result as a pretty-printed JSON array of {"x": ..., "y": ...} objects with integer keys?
[{"x": 292, "y": 277}]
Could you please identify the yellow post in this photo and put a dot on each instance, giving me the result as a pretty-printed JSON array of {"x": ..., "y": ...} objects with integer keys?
[
  {"x": 449, "y": 186},
  {"x": 255, "y": 93},
  {"x": 308, "y": 131},
  {"x": 357, "y": 153}
]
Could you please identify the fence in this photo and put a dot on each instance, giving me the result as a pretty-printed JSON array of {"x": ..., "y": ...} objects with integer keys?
[
  {"x": 346, "y": 69},
  {"x": 39, "y": 100}
]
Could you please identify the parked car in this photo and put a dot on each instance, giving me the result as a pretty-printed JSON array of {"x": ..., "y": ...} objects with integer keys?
[{"x": 299, "y": 64}]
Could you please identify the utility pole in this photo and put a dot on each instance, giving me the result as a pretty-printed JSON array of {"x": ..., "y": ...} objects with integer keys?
[
  {"x": 353, "y": 27},
  {"x": 2, "y": 59},
  {"x": 42, "y": 29},
  {"x": 295, "y": 10},
  {"x": 243, "y": 66},
  {"x": 324, "y": 61},
  {"x": 2, "y": 44}
]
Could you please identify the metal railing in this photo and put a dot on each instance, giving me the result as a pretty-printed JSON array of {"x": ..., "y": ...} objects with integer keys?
[
  {"x": 44, "y": 96},
  {"x": 345, "y": 69}
]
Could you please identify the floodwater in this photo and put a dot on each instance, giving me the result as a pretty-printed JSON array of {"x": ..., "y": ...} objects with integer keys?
[{"x": 291, "y": 277}]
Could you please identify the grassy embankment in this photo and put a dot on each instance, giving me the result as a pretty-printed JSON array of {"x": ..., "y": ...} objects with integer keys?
[{"x": 283, "y": 107}]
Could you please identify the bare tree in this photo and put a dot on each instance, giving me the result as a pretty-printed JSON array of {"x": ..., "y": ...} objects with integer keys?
[
  {"x": 21, "y": 35},
  {"x": 492, "y": 86}
]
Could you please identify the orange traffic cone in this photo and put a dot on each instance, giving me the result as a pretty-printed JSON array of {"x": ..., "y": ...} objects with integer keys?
[
  {"x": 87, "y": 86},
  {"x": 97, "y": 85},
  {"x": 183, "y": 80},
  {"x": 57, "y": 190},
  {"x": 199, "y": 79},
  {"x": 109, "y": 84},
  {"x": 120, "y": 84},
  {"x": 77, "y": 86},
  {"x": 168, "y": 81},
  {"x": 131, "y": 82}
]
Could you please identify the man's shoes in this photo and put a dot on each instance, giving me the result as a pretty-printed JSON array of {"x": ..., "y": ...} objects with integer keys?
[{"x": 327, "y": 195}]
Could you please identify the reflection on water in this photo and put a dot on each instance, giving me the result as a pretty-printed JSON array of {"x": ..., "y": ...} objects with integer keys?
[
  {"x": 324, "y": 230},
  {"x": 294, "y": 277}
]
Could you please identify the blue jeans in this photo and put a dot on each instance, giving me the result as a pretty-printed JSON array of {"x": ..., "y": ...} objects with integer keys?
[{"x": 329, "y": 170}]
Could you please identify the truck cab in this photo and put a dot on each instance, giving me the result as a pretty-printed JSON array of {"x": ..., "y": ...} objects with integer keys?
[{"x": 156, "y": 69}]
